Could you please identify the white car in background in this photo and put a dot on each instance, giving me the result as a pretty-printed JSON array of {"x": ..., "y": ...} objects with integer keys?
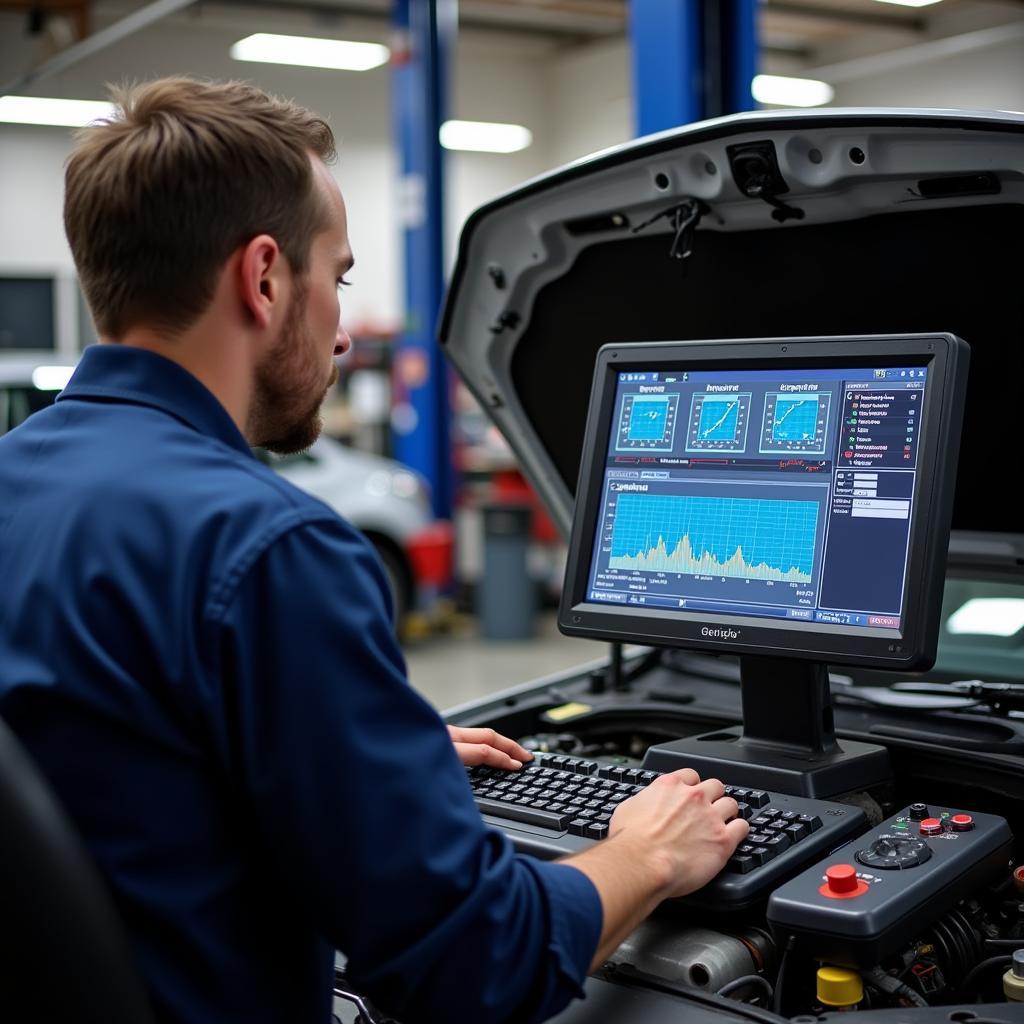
[{"x": 386, "y": 500}]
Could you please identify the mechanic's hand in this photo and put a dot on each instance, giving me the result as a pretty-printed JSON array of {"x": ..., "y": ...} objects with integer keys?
[
  {"x": 485, "y": 746},
  {"x": 686, "y": 824}
]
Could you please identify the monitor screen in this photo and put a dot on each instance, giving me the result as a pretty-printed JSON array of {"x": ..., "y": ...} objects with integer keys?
[{"x": 793, "y": 493}]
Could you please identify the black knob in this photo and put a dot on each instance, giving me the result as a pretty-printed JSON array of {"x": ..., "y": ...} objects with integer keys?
[{"x": 918, "y": 812}]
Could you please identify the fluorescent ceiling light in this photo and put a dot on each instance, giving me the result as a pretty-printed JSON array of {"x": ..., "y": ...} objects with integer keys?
[
  {"x": 485, "y": 136},
  {"x": 310, "y": 52},
  {"x": 791, "y": 92},
  {"x": 51, "y": 378},
  {"x": 910, "y": 3},
  {"x": 989, "y": 616},
  {"x": 63, "y": 113}
]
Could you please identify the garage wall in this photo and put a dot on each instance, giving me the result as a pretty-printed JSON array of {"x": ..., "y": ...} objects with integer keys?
[{"x": 495, "y": 78}]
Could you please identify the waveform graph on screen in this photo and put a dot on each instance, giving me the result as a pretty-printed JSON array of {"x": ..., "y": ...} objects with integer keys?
[
  {"x": 744, "y": 538},
  {"x": 718, "y": 423},
  {"x": 647, "y": 422},
  {"x": 795, "y": 423}
]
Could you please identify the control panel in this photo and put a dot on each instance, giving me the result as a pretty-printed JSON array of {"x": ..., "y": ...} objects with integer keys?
[{"x": 869, "y": 898}]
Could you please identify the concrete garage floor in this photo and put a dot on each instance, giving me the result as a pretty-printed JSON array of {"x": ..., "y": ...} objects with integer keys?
[{"x": 453, "y": 668}]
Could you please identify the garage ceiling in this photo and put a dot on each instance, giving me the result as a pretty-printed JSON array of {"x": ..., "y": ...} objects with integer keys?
[{"x": 795, "y": 34}]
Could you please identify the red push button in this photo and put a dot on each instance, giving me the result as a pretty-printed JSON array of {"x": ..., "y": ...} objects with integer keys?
[
  {"x": 842, "y": 883},
  {"x": 962, "y": 822},
  {"x": 841, "y": 877},
  {"x": 931, "y": 827}
]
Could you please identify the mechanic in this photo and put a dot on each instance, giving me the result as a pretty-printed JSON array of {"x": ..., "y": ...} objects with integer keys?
[{"x": 201, "y": 657}]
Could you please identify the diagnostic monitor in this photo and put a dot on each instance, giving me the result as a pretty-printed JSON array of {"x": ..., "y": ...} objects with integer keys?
[{"x": 785, "y": 500}]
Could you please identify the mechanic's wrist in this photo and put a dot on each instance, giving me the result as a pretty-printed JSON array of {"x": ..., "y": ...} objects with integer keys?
[{"x": 656, "y": 867}]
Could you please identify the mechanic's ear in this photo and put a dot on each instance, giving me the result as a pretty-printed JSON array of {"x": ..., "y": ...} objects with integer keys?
[{"x": 261, "y": 269}]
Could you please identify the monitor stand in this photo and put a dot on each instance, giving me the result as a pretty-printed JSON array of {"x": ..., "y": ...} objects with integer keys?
[{"x": 787, "y": 743}]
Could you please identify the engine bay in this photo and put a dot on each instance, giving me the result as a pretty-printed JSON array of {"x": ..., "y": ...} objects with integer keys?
[{"x": 947, "y": 943}]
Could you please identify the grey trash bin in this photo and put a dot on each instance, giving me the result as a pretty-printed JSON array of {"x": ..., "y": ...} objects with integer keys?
[{"x": 507, "y": 596}]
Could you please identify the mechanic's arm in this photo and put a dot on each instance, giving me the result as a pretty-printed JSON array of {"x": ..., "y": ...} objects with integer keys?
[
  {"x": 357, "y": 797},
  {"x": 666, "y": 841}
]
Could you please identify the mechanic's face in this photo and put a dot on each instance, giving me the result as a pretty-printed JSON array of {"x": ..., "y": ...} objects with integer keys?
[{"x": 293, "y": 380}]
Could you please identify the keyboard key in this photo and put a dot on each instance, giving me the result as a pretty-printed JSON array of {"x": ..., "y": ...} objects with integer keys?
[
  {"x": 646, "y": 778},
  {"x": 528, "y": 815},
  {"x": 596, "y": 830},
  {"x": 797, "y": 831},
  {"x": 812, "y": 821},
  {"x": 780, "y": 841},
  {"x": 587, "y": 767},
  {"x": 740, "y": 863},
  {"x": 760, "y": 821},
  {"x": 757, "y": 798},
  {"x": 579, "y": 827},
  {"x": 744, "y": 811},
  {"x": 739, "y": 794}
]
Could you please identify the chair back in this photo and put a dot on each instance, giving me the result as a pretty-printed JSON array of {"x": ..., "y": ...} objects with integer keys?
[{"x": 63, "y": 952}]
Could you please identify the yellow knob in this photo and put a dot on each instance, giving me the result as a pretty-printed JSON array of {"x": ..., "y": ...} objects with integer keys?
[{"x": 838, "y": 986}]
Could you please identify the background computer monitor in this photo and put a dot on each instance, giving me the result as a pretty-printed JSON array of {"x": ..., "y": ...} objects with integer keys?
[{"x": 786, "y": 500}]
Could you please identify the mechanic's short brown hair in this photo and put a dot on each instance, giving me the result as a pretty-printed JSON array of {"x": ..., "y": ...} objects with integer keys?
[{"x": 159, "y": 196}]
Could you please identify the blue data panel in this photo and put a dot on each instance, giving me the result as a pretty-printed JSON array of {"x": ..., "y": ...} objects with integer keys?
[
  {"x": 647, "y": 423},
  {"x": 718, "y": 423},
  {"x": 795, "y": 423}
]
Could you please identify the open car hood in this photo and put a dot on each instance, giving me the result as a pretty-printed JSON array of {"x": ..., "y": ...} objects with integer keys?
[{"x": 877, "y": 221}]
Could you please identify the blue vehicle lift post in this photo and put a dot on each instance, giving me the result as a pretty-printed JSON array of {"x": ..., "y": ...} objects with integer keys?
[
  {"x": 425, "y": 30},
  {"x": 692, "y": 59}
]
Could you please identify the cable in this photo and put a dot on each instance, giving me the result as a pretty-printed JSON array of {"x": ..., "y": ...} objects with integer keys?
[
  {"x": 977, "y": 969},
  {"x": 783, "y": 964},
  {"x": 749, "y": 979},
  {"x": 628, "y": 974},
  {"x": 893, "y": 986}
]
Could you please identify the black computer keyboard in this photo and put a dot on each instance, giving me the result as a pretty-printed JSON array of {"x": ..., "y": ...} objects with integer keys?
[{"x": 558, "y": 805}]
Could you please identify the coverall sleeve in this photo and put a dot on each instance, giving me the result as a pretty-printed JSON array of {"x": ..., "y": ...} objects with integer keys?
[{"x": 362, "y": 803}]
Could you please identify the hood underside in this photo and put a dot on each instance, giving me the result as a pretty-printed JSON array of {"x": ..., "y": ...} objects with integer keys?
[{"x": 808, "y": 223}]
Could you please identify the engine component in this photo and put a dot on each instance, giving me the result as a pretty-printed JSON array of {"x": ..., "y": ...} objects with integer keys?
[
  {"x": 839, "y": 987},
  {"x": 1013, "y": 979},
  {"x": 699, "y": 957}
]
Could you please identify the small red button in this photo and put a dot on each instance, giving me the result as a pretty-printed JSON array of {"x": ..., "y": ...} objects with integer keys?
[
  {"x": 842, "y": 883},
  {"x": 841, "y": 877},
  {"x": 962, "y": 822},
  {"x": 931, "y": 827}
]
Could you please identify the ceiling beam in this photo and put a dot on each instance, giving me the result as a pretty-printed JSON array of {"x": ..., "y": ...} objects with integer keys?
[
  {"x": 97, "y": 42},
  {"x": 842, "y": 16}
]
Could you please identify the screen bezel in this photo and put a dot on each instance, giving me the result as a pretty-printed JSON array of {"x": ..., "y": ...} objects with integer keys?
[{"x": 944, "y": 356}]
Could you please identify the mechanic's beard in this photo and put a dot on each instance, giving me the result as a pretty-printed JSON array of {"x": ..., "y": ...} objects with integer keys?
[{"x": 285, "y": 418}]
